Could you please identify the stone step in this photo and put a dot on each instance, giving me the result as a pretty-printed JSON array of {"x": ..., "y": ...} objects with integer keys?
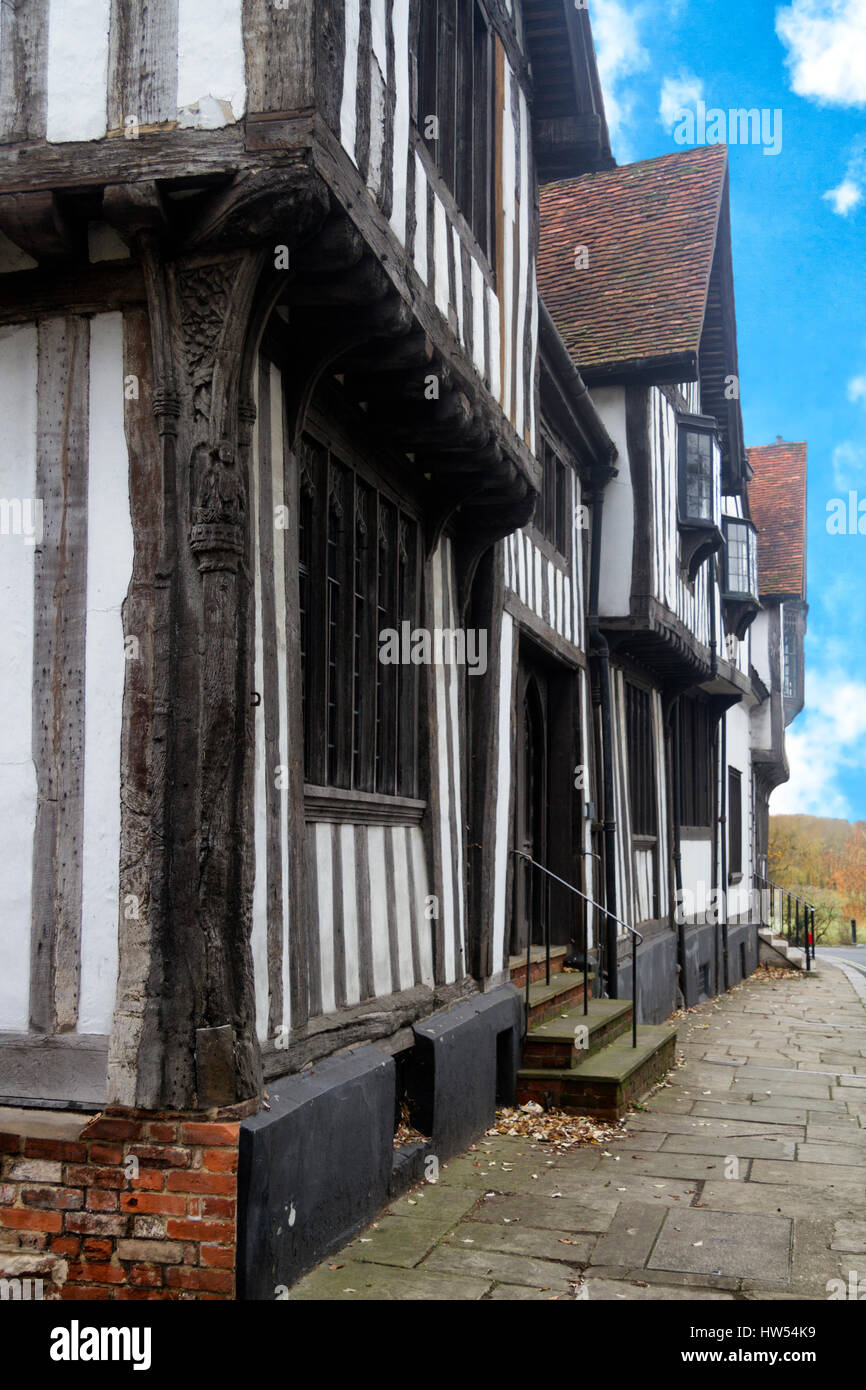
[
  {"x": 607, "y": 1083},
  {"x": 546, "y": 1000},
  {"x": 552, "y": 1044},
  {"x": 537, "y": 964}
]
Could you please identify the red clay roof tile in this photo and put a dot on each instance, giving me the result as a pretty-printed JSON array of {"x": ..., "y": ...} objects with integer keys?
[
  {"x": 777, "y": 499},
  {"x": 650, "y": 230}
]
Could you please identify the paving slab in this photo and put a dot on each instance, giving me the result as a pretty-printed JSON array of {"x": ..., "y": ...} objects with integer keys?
[
  {"x": 831, "y": 1175},
  {"x": 849, "y": 1236},
  {"x": 742, "y": 1148},
  {"x": 399, "y": 1242},
  {"x": 671, "y": 1165},
  {"x": 544, "y": 1213},
  {"x": 852, "y": 1155},
  {"x": 364, "y": 1283},
  {"x": 666, "y": 1191},
  {"x": 517, "y": 1239},
  {"x": 631, "y": 1235},
  {"x": 782, "y": 1199},
  {"x": 434, "y": 1203},
  {"x": 726, "y": 1243},
  {"x": 643, "y": 1292},
  {"x": 750, "y": 1111},
  {"x": 498, "y": 1268},
  {"x": 714, "y": 1128}
]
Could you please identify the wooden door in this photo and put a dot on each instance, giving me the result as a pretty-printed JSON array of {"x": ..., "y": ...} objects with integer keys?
[{"x": 530, "y": 808}]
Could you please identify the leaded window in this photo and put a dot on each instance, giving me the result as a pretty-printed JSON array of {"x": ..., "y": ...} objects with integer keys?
[
  {"x": 455, "y": 105},
  {"x": 358, "y": 576},
  {"x": 741, "y": 558}
]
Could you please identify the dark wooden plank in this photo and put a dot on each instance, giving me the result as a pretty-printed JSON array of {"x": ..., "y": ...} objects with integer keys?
[
  {"x": 279, "y": 48},
  {"x": 366, "y": 657},
  {"x": 60, "y": 604},
  {"x": 276, "y": 799},
  {"x": 390, "y": 897},
  {"x": 186, "y": 154},
  {"x": 417, "y": 922},
  {"x": 446, "y": 96},
  {"x": 339, "y": 917},
  {"x": 330, "y": 51},
  {"x": 365, "y": 926},
  {"x": 138, "y": 749},
  {"x": 58, "y": 1072},
  {"x": 430, "y": 785},
  {"x": 386, "y": 192},
  {"x": 316, "y": 674},
  {"x": 362, "y": 95},
  {"x": 296, "y": 823},
  {"x": 23, "y": 70},
  {"x": 30, "y": 294},
  {"x": 142, "y": 62},
  {"x": 311, "y": 928}
]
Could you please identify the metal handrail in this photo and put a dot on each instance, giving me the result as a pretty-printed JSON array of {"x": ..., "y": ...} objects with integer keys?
[
  {"x": 808, "y": 917},
  {"x": 638, "y": 939},
  {"x": 771, "y": 883}
]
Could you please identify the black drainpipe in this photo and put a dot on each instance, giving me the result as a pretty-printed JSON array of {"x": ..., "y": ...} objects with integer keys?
[
  {"x": 678, "y": 852},
  {"x": 723, "y": 820},
  {"x": 601, "y": 651},
  {"x": 722, "y": 784}
]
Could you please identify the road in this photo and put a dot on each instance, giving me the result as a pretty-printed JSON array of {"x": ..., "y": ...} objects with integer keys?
[{"x": 854, "y": 956}]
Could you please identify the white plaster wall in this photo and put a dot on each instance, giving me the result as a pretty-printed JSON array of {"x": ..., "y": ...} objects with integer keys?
[
  {"x": 697, "y": 874},
  {"x": 109, "y": 571},
  {"x": 77, "y": 78},
  {"x": 618, "y": 522},
  {"x": 760, "y": 631},
  {"x": 210, "y": 60},
  {"x": 17, "y": 772}
]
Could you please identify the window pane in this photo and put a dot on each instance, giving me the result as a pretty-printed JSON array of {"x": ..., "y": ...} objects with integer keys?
[{"x": 699, "y": 476}]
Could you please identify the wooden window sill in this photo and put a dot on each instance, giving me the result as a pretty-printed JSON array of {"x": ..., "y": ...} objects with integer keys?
[{"x": 339, "y": 807}]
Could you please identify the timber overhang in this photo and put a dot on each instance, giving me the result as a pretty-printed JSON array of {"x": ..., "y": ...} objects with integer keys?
[
  {"x": 661, "y": 642},
  {"x": 355, "y": 304}
]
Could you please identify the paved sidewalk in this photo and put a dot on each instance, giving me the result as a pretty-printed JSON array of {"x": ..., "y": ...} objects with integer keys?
[{"x": 743, "y": 1177}]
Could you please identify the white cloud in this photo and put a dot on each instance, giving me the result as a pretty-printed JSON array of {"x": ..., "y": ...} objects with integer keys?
[
  {"x": 845, "y": 197},
  {"x": 678, "y": 94},
  {"x": 849, "y": 465},
  {"x": 620, "y": 54},
  {"x": 826, "y": 43},
  {"x": 830, "y": 737},
  {"x": 857, "y": 389}
]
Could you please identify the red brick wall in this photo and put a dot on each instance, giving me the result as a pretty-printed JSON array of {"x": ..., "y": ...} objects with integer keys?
[{"x": 168, "y": 1233}]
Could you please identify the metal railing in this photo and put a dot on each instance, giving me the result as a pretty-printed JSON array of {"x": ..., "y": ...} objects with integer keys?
[
  {"x": 637, "y": 939},
  {"x": 789, "y": 916}
]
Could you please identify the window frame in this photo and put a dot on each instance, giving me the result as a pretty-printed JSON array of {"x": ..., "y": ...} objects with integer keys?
[
  {"x": 696, "y": 766},
  {"x": 700, "y": 537},
  {"x": 459, "y": 68},
  {"x": 729, "y": 524},
  {"x": 735, "y": 825},
  {"x": 552, "y": 524},
  {"x": 791, "y": 661},
  {"x": 642, "y": 770},
  {"x": 347, "y": 765}
]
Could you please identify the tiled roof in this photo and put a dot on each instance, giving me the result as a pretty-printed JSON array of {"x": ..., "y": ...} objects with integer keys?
[
  {"x": 650, "y": 230},
  {"x": 777, "y": 498}
]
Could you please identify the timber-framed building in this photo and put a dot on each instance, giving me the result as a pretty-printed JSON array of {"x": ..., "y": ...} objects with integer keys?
[{"x": 353, "y": 588}]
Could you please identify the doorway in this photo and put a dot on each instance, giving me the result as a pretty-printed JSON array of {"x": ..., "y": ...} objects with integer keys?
[{"x": 547, "y": 806}]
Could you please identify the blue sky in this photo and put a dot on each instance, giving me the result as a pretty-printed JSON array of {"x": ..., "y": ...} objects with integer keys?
[{"x": 799, "y": 243}]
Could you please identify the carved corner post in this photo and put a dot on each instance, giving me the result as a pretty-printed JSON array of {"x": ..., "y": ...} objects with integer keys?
[{"x": 184, "y": 1034}]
